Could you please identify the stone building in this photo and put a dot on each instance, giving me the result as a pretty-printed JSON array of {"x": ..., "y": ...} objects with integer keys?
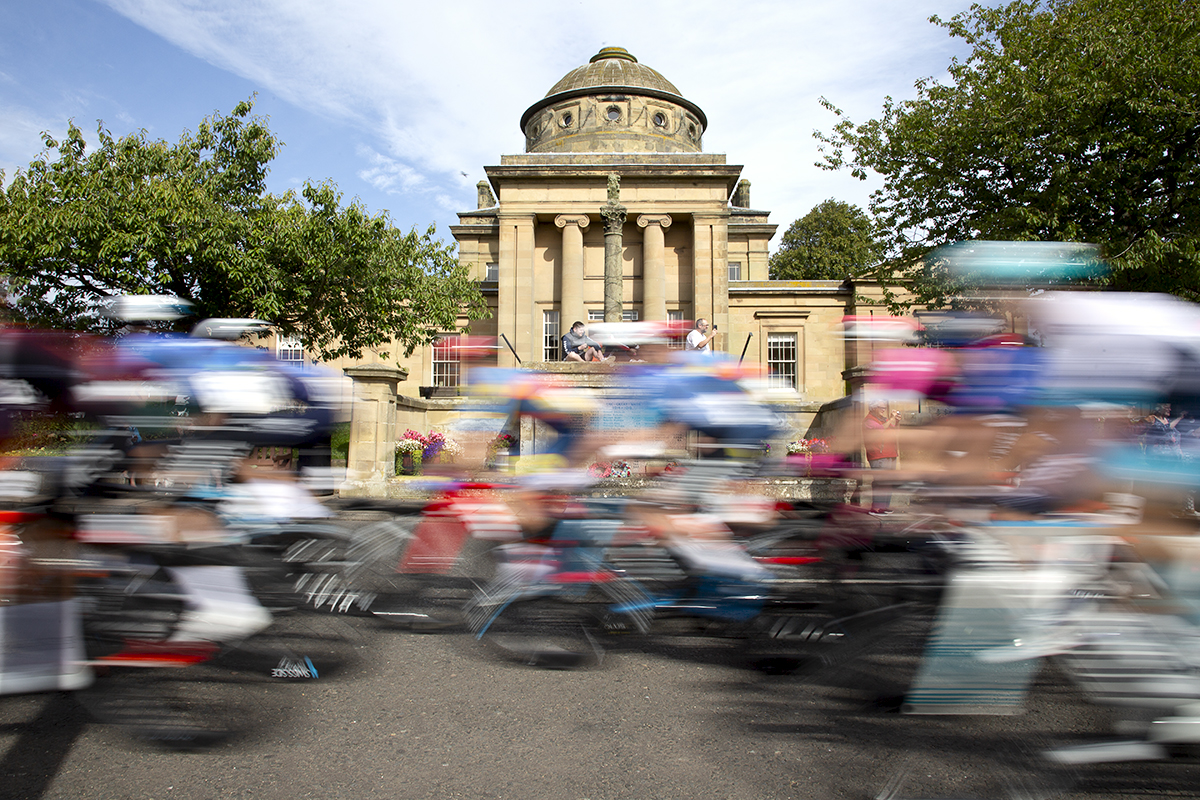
[{"x": 690, "y": 244}]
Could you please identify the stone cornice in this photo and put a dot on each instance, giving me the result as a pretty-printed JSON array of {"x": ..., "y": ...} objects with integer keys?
[
  {"x": 612, "y": 159},
  {"x": 783, "y": 314},
  {"x": 767, "y": 230},
  {"x": 601, "y": 165},
  {"x": 460, "y": 231},
  {"x": 377, "y": 372},
  {"x": 726, "y": 172},
  {"x": 509, "y": 217},
  {"x": 789, "y": 287}
]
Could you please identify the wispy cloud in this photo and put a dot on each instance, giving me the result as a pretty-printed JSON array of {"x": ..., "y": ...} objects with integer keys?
[
  {"x": 438, "y": 89},
  {"x": 390, "y": 176},
  {"x": 21, "y": 136}
]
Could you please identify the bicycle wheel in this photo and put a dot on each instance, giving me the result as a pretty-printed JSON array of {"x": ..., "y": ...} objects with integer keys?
[
  {"x": 122, "y": 600},
  {"x": 298, "y": 646},
  {"x": 283, "y": 563},
  {"x": 819, "y": 641},
  {"x": 346, "y": 581},
  {"x": 415, "y": 573},
  {"x": 547, "y": 632},
  {"x": 562, "y": 628}
]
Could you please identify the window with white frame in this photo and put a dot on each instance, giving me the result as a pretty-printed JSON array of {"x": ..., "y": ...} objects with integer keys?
[
  {"x": 445, "y": 360},
  {"x": 735, "y": 270},
  {"x": 781, "y": 360},
  {"x": 289, "y": 349},
  {"x": 676, "y": 342},
  {"x": 551, "y": 335},
  {"x": 492, "y": 273},
  {"x": 627, "y": 315}
]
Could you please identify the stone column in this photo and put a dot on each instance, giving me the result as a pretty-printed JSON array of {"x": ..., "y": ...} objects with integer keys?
[
  {"x": 515, "y": 308},
  {"x": 371, "y": 459},
  {"x": 654, "y": 270},
  {"x": 702, "y": 267},
  {"x": 571, "y": 307},
  {"x": 613, "y": 214},
  {"x": 710, "y": 290}
]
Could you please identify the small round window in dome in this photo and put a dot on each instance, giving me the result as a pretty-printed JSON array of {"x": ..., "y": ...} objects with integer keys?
[
  {"x": 660, "y": 119},
  {"x": 566, "y": 119},
  {"x": 692, "y": 131},
  {"x": 613, "y": 113}
]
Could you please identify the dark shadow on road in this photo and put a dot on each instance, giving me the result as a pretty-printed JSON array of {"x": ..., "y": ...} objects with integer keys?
[{"x": 29, "y": 766}]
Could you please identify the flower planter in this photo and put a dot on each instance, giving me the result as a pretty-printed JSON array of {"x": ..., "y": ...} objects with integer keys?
[
  {"x": 410, "y": 464},
  {"x": 803, "y": 461}
]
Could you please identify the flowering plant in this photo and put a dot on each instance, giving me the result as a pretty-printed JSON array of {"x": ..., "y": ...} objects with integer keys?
[
  {"x": 610, "y": 469},
  {"x": 504, "y": 441},
  {"x": 408, "y": 453},
  {"x": 435, "y": 442},
  {"x": 807, "y": 447},
  {"x": 410, "y": 447},
  {"x": 428, "y": 445},
  {"x": 451, "y": 447}
]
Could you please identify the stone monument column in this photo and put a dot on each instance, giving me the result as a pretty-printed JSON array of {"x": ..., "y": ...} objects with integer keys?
[
  {"x": 654, "y": 270},
  {"x": 371, "y": 459},
  {"x": 571, "y": 275},
  {"x": 613, "y": 214}
]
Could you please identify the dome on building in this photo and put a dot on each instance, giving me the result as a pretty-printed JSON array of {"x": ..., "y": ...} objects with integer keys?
[
  {"x": 613, "y": 104},
  {"x": 613, "y": 66}
]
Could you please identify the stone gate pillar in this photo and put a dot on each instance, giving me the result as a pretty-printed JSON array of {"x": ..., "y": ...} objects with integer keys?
[{"x": 371, "y": 459}]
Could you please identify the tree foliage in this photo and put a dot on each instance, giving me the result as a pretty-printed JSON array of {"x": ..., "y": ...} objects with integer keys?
[
  {"x": 1071, "y": 120},
  {"x": 832, "y": 242},
  {"x": 194, "y": 219}
]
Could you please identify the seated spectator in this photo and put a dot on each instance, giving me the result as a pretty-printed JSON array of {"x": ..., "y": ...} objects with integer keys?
[{"x": 578, "y": 347}]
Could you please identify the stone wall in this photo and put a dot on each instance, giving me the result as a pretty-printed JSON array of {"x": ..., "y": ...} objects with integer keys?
[{"x": 381, "y": 415}]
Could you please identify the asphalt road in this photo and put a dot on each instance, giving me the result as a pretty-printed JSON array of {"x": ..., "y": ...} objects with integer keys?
[{"x": 437, "y": 716}]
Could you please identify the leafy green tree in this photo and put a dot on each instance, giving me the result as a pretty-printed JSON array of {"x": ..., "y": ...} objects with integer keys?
[
  {"x": 1071, "y": 120},
  {"x": 194, "y": 219},
  {"x": 832, "y": 242}
]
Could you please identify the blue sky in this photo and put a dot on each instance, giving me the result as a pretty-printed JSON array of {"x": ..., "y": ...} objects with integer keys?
[{"x": 402, "y": 104}]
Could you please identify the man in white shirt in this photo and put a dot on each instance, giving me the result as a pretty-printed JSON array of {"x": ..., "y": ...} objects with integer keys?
[{"x": 700, "y": 338}]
